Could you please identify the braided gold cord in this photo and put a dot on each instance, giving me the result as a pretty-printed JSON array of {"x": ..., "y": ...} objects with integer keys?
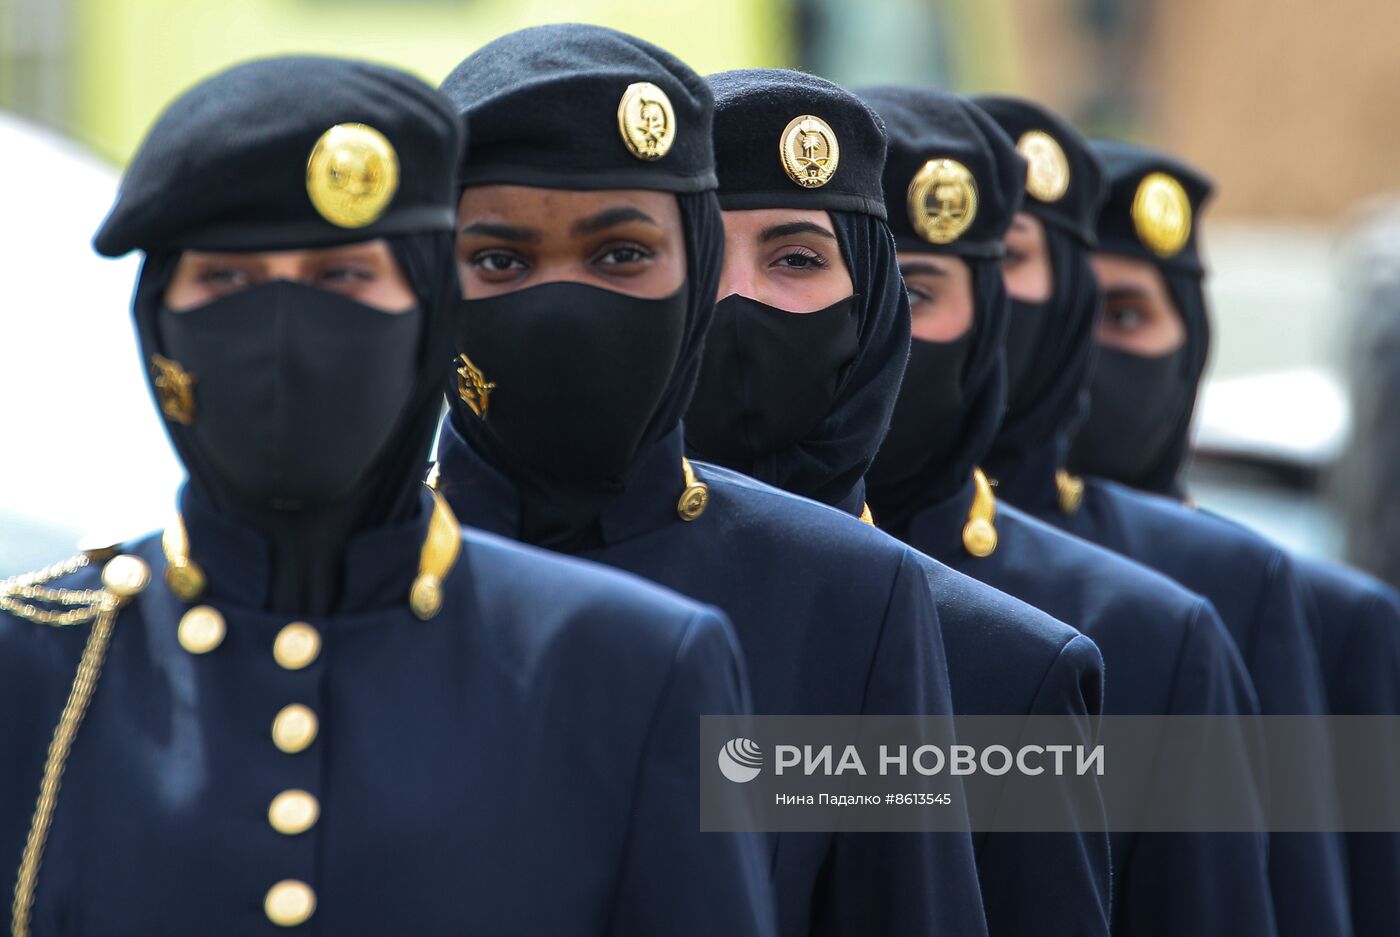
[
  {"x": 18, "y": 594},
  {"x": 79, "y": 696}
]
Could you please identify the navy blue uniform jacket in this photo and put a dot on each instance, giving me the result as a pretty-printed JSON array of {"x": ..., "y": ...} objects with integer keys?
[
  {"x": 1358, "y": 641},
  {"x": 833, "y": 616},
  {"x": 525, "y": 762},
  {"x": 1165, "y": 652},
  {"x": 1252, "y": 584}
]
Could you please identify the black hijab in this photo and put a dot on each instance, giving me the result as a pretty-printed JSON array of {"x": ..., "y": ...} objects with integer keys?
[
  {"x": 306, "y": 546},
  {"x": 1052, "y": 397},
  {"x": 931, "y": 128},
  {"x": 829, "y": 462},
  {"x": 562, "y": 513},
  {"x": 1168, "y": 238},
  {"x": 900, "y": 484}
]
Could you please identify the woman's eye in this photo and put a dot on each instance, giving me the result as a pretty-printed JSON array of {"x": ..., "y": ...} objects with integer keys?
[
  {"x": 801, "y": 260},
  {"x": 223, "y": 277},
  {"x": 342, "y": 276},
  {"x": 918, "y": 295},
  {"x": 623, "y": 254},
  {"x": 1013, "y": 259},
  {"x": 1126, "y": 318},
  {"x": 496, "y": 261}
]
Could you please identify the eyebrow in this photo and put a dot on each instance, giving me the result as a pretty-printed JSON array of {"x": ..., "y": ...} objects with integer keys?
[
  {"x": 1125, "y": 292},
  {"x": 611, "y": 218},
  {"x": 914, "y": 269},
  {"x": 793, "y": 227},
  {"x": 503, "y": 231}
]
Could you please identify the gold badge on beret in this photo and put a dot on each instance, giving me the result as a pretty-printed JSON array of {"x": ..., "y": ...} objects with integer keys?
[
  {"x": 352, "y": 175},
  {"x": 1047, "y": 169},
  {"x": 646, "y": 120},
  {"x": 1162, "y": 214},
  {"x": 942, "y": 201},
  {"x": 810, "y": 151}
]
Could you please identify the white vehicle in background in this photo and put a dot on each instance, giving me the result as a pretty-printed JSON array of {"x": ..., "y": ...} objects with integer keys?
[{"x": 85, "y": 458}]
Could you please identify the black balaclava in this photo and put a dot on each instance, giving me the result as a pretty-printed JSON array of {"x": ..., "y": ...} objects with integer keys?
[
  {"x": 954, "y": 392},
  {"x": 1139, "y": 422},
  {"x": 574, "y": 404},
  {"x": 1049, "y": 345},
  {"x": 333, "y": 402},
  {"x": 811, "y": 425}
]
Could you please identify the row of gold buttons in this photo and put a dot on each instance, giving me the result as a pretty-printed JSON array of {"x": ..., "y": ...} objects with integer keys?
[
  {"x": 291, "y": 902},
  {"x": 202, "y": 629}
]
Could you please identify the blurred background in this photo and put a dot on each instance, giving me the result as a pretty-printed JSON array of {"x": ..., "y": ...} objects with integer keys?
[{"x": 1293, "y": 106}]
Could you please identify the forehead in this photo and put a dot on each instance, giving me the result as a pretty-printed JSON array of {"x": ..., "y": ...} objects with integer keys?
[
  {"x": 549, "y": 208},
  {"x": 942, "y": 263},
  {"x": 1118, "y": 271},
  {"x": 378, "y": 246},
  {"x": 757, "y": 220}
]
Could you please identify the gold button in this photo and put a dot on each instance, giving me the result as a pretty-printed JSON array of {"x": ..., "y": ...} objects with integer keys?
[
  {"x": 289, "y": 903},
  {"x": 297, "y": 645},
  {"x": 201, "y": 630},
  {"x": 293, "y": 812},
  {"x": 294, "y": 728},
  {"x": 126, "y": 575}
]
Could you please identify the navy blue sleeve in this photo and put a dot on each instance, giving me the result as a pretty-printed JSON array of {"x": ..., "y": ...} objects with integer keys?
[
  {"x": 897, "y": 884},
  {"x": 1054, "y": 884},
  {"x": 1364, "y": 679},
  {"x": 1218, "y": 883},
  {"x": 677, "y": 880},
  {"x": 1307, "y": 870}
]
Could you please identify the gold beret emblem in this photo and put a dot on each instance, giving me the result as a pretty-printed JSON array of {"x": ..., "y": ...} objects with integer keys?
[
  {"x": 646, "y": 120},
  {"x": 1047, "y": 169},
  {"x": 942, "y": 201},
  {"x": 473, "y": 387},
  {"x": 810, "y": 151},
  {"x": 352, "y": 175},
  {"x": 1162, "y": 214}
]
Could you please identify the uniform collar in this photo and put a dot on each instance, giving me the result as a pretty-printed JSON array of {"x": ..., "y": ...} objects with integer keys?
[
  {"x": 378, "y": 566},
  {"x": 854, "y": 502},
  {"x": 1028, "y": 481},
  {"x": 486, "y": 498},
  {"x": 938, "y": 529}
]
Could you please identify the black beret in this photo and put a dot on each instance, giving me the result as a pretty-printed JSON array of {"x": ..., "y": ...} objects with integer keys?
[
  {"x": 953, "y": 180},
  {"x": 1153, "y": 201},
  {"x": 1064, "y": 179},
  {"x": 289, "y": 152},
  {"x": 570, "y": 106},
  {"x": 786, "y": 139}
]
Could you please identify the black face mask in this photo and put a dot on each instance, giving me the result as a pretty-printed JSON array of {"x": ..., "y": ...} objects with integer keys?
[
  {"x": 568, "y": 375},
  {"x": 768, "y": 377},
  {"x": 1134, "y": 412},
  {"x": 1027, "y": 330},
  {"x": 296, "y": 390},
  {"x": 928, "y": 416}
]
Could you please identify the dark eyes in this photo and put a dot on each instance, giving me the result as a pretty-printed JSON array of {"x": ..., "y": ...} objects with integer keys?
[
  {"x": 1126, "y": 318},
  {"x": 497, "y": 261},
  {"x": 347, "y": 275},
  {"x": 800, "y": 258},
  {"x": 1013, "y": 258},
  {"x": 223, "y": 277},
  {"x": 918, "y": 294},
  {"x": 621, "y": 254}
]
